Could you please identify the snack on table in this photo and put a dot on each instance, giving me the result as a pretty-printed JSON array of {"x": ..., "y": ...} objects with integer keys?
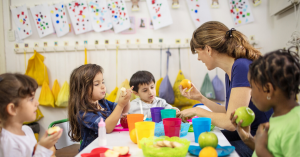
[
  {"x": 169, "y": 144},
  {"x": 121, "y": 150},
  {"x": 110, "y": 153}
]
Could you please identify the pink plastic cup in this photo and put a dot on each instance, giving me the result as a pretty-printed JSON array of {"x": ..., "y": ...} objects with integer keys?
[{"x": 172, "y": 126}]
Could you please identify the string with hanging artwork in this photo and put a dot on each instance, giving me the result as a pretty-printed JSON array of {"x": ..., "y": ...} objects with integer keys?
[
  {"x": 241, "y": 12},
  {"x": 119, "y": 15},
  {"x": 199, "y": 11},
  {"x": 160, "y": 13},
  {"x": 59, "y": 19},
  {"x": 100, "y": 16}
]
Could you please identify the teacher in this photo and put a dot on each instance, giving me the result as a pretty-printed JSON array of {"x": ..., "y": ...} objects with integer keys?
[{"x": 229, "y": 50}]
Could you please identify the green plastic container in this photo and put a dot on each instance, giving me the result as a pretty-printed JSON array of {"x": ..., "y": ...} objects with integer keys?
[{"x": 168, "y": 113}]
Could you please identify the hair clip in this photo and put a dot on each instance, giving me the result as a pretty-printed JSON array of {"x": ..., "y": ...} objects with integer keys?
[{"x": 230, "y": 32}]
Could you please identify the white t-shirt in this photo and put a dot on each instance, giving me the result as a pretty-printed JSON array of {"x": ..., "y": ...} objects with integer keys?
[{"x": 12, "y": 145}]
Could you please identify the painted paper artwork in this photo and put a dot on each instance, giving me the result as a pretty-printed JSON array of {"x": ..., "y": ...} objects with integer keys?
[
  {"x": 42, "y": 19},
  {"x": 21, "y": 19},
  {"x": 100, "y": 16},
  {"x": 199, "y": 11},
  {"x": 160, "y": 13},
  {"x": 132, "y": 28},
  {"x": 59, "y": 19},
  {"x": 80, "y": 17},
  {"x": 119, "y": 15},
  {"x": 241, "y": 12}
]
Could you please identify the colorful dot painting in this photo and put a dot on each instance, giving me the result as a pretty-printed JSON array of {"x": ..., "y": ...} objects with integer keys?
[{"x": 239, "y": 10}]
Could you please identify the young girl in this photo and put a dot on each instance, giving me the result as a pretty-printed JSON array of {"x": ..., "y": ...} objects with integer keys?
[
  {"x": 87, "y": 104},
  {"x": 17, "y": 105},
  {"x": 275, "y": 80}
]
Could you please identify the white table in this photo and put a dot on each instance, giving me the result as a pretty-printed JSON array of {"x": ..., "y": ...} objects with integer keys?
[{"x": 123, "y": 139}]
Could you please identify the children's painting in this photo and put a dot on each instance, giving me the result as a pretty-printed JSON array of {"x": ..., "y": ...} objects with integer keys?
[
  {"x": 21, "y": 19},
  {"x": 100, "y": 16},
  {"x": 132, "y": 28},
  {"x": 80, "y": 17},
  {"x": 59, "y": 19},
  {"x": 199, "y": 11},
  {"x": 119, "y": 15},
  {"x": 160, "y": 13},
  {"x": 42, "y": 19},
  {"x": 241, "y": 12}
]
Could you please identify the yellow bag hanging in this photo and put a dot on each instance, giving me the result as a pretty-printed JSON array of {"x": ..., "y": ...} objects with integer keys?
[
  {"x": 39, "y": 115},
  {"x": 113, "y": 95},
  {"x": 179, "y": 99},
  {"x": 55, "y": 90},
  {"x": 63, "y": 95},
  {"x": 158, "y": 85},
  {"x": 37, "y": 69},
  {"x": 125, "y": 84},
  {"x": 46, "y": 96},
  {"x": 85, "y": 56}
]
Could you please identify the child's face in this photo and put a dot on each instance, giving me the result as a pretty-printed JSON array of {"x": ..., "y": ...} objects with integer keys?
[
  {"x": 259, "y": 97},
  {"x": 26, "y": 110},
  {"x": 147, "y": 92},
  {"x": 99, "y": 88}
]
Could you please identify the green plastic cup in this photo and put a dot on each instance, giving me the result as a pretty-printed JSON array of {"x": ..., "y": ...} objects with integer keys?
[{"x": 168, "y": 113}]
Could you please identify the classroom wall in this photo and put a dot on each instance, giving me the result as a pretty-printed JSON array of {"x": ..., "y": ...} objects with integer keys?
[{"x": 270, "y": 32}]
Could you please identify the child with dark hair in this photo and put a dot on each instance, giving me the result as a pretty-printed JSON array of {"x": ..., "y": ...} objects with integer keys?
[
  {"x": 275, "y": 80},
  {"x": 18, "y": 105},
  {"x": 87, "y": 104},
  {"x": 144, "y": 87}
]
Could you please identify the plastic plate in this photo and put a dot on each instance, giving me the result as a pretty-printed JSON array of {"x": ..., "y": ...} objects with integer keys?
[{"x": 222, "y": 150}]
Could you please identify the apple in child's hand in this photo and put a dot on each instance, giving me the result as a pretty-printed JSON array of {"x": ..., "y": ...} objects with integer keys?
[
  {"x": 123, "y": 91},
  {"x": 53, "y": 130},
  {"x": 121, "y": 150},
  {"x": 110, "y": 153},
  {"x": 246, "y": 114},
  {"x": 124, "y": 122},
  {"x": 186, "y": 84},
  {"x": 208, "y": 139}
]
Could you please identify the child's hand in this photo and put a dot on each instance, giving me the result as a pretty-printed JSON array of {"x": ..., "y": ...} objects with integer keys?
[
  {"x": 49, "y": 141},
  {"x": 177, "y": 110},
  {"x": 192, "y": 93},
  {"x": 124, "y": 100},
  {"x": 244, "y": 132},
  {"x": 261, "y": 137}
]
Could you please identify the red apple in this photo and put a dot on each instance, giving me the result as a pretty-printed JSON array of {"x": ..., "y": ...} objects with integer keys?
[{"x": 124, "y": 122}]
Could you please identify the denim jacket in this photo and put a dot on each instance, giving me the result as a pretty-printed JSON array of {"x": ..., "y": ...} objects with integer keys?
[{"x": 89, "y": 123}]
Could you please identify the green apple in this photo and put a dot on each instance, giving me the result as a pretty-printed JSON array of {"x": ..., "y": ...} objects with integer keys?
[
  {"x": 208, "y": 139},
  {"x": 246, "y": 114}
]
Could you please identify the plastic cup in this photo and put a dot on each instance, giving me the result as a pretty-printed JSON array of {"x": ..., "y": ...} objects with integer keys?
[
  {"x": 133, "y": 118},
  {"x": 155, "y": 114},
  {"x": 200, "y": 125},
  {"x": 144, "y": 130},
  {"x": 168, "y": 113},
  {"x": 172, "y": 126}
]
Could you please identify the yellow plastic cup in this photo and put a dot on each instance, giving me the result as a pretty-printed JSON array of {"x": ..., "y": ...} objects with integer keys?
[
  {"x": 144, "y": 130},
  {"x": 133, "y": 118}
]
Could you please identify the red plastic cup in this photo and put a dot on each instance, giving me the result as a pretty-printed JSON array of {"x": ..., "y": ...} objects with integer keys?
[{"x": 172, "y": 126}]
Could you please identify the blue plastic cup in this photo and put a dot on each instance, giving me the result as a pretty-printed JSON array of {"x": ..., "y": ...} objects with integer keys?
[
  {"x": 155, "y": 114},
  {"x": 200, "y": 125}
]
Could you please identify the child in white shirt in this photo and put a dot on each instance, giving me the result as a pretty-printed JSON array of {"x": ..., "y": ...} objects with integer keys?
[
  {"x": 144, "y": 87},
  {"x": 17, "y": 105}
]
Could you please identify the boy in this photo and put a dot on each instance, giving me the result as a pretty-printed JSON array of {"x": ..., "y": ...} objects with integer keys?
[{"x": 144, "y": 87}]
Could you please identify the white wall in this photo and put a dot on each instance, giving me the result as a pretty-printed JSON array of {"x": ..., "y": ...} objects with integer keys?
[{"x": 271, "y": 33}]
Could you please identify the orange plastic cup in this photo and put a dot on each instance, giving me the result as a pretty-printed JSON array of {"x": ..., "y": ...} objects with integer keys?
[{"x": 133, "y": 118}]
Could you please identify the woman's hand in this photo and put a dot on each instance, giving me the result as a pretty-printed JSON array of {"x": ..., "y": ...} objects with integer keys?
[
  {"x": 244, "y": 132},
  {"x": 192, "y": 93},
  {"x": 124, "y": 100},
  {"x": 186, "y": 114},
  {"x": 49, "y": 141}
]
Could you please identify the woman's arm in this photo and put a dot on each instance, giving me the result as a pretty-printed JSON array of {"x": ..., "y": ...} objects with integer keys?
[
  {"x": 194, "y": 94},
  {"x": 240, "y": 96}
]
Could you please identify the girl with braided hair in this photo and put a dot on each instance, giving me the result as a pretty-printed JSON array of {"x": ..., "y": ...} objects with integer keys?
[
  {"x": 229, "y": 50},
  {"x": 275, "y": 80}
]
